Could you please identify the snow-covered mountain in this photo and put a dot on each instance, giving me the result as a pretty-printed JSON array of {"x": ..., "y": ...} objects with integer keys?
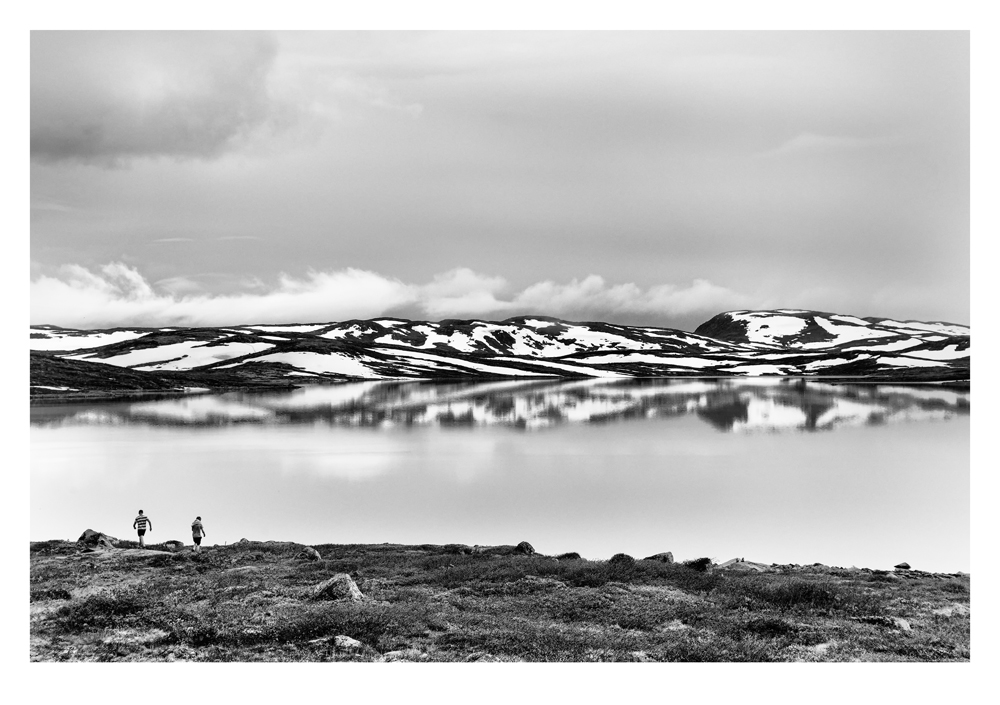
[{"x": 785, "y": 342}]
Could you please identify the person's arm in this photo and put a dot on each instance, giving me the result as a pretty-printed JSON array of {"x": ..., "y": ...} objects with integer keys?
[
  {"x": 150, "y": 523},
  {"x": 133, "y": 525}
]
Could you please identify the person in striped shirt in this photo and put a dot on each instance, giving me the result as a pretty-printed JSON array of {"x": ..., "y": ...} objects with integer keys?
[
  {"x": 197, "y": 531},
  {"x": 141, "y": 523}
]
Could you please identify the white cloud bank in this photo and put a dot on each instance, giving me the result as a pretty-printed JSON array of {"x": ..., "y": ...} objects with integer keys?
[{"x": 118, "y": 295}]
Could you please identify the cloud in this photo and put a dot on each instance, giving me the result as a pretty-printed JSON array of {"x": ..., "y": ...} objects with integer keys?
[
  {"x": 462, "y": 293},
  {"x": 179, "y": 286},
  {"x": 109, "y": 97},
  {"x": 592, "y": 295},
  {"x": 118, "y": 295}
]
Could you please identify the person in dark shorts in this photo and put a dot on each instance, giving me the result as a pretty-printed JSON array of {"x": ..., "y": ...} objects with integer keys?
[
  {"x": 197, "y": 531},
  {"x": 141, "y": 523}
]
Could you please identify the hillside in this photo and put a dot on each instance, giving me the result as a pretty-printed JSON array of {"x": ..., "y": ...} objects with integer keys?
[
  {"x": 280, "y": 601},
  {"x": 741, "y": 343}
]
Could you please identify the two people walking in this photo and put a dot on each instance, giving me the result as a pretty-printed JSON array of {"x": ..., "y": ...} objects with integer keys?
[{"x": 142, "y": 523}]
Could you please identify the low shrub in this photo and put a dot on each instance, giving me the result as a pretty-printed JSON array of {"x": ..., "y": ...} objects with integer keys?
[
  {"x": 955, "y": 588},
  {"x": 127, "y": 606},
  {"x": 770, "y": 627},
  {"x": 699, "y": 564},
  {"x": 799, "y": 593},
  {"x": 366, "y": 623},
  {"x": 50, "y": 594}
]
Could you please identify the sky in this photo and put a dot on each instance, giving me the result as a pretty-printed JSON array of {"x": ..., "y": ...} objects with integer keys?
[{"x": 651, "y": 178}]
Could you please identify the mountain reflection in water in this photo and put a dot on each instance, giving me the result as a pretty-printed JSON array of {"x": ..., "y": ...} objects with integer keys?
[{"x": 740, "y": 406}]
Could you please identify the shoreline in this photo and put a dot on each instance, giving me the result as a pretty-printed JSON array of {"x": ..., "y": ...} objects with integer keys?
[{"x": 104, "y": 395}]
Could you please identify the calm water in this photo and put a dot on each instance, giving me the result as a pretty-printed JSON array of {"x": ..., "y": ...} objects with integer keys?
[{"x": 773, "y": 471}]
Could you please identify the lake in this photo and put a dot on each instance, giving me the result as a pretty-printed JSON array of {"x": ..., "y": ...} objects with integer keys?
[{"x": 770, "y": 470}]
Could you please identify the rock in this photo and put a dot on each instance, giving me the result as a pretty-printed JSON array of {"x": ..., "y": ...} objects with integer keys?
[
  {"x": 405, "y": 655},
  {"x": 824, "y": 647},
  {"x": 243, "y": 541},
  {"x": 952, "y": 609},
  {"x": 621, "y": 559},
  {"x": 666, "y": 557},
  {"x": 901, "y": 623},
  {"x": 309, "y": 553},
  {"x": 743, "y": 565},
  {"x": 571, "y": 556},
  {"x": 525, "y": 548},
  {"x": 173, "y": 545},
  {"x": 340, "y": 587},
  {"x": 674, "y": 625},
  {"x": 347, "y": 644},
  {"x": 478, "y": 656},
  {"x": 902, "y": 566},
  {"x": 95, "y": 539}
]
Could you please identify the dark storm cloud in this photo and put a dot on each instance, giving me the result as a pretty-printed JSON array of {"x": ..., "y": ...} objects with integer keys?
[{"x": 108, "y": 97}]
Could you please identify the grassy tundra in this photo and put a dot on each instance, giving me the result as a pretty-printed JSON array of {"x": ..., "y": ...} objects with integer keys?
[{"x": 256, "y": 601}]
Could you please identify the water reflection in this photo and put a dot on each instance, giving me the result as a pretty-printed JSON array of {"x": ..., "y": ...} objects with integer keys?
[{"x": 738, "y": 406}]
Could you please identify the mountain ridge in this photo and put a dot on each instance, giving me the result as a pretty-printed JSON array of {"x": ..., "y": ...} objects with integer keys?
[{"x": 779, "y": 342}]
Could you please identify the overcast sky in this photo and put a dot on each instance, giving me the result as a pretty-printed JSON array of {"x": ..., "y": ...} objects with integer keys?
[{"x": 658, "y": 178}]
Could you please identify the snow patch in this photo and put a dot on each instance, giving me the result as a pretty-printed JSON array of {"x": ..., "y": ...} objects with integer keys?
[
  {"x": 186, "y": 355},
  {"x": 907, "y": 362},
  {"x": 72, "y": 340},
  {"x": 766, "y": 328},
  {"x": 950, "y": 352},
  {"x": 320, "y": 363},
  {"x": 508, "y": 371}
]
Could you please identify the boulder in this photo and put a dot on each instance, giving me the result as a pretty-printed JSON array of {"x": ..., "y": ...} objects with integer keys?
[
  {"x": 525, "y": 548},
  {"x": 745, "y": 567},
  {"x": 571, "y": 556},
  {"x": 95, "y": 539},
  {"x": 173, "y": 545},
  {"x": 308, "y": 553},
  {"x": 666, "y": 557},
  {"x": 902, "y": 566},
  {"x": 340, "y": 587},
  {"x": 347, "y": 644},
  {"x": 621, "y": 559}
]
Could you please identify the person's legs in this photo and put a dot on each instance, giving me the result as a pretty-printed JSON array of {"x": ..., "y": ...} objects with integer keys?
[{"x": 142, "y": 544}]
